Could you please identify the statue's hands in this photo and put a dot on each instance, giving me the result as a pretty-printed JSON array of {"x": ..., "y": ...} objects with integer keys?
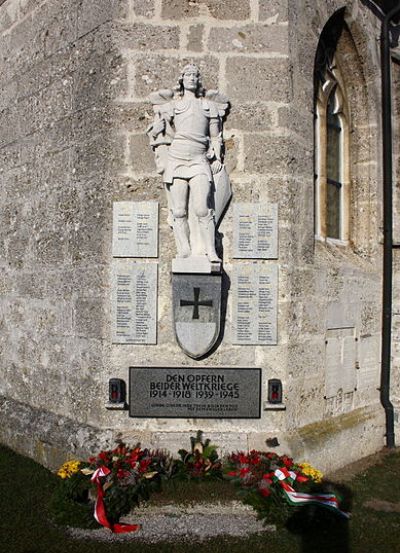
[
  {"x": 158, "y": 127},
  {"x": 216, "y": 166}
]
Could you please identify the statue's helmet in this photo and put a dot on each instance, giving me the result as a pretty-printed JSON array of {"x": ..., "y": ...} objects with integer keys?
[{"x": 190, "y": 68}]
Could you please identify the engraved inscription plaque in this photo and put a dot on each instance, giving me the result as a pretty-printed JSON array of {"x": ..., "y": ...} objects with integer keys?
[
  {"x": 134, "y": 302},
  {"x": 135, "y": 229},
  {"x": 201, "y": 393},
  {"x": 255, "y": 231},
  {"x": 255, "y": 301}
]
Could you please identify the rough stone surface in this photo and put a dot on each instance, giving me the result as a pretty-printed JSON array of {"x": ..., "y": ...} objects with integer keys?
[
  {"x": 179, "y": 9},
  {"x": 252, "y": 79},
  {"x": 275, "y": 154},
  {"x": 53, "y": 437},
  {"x": 141, "y": 157},
  {"x": 153, "y": 72},
  {"x": 195, "y": 38},
  {"x": 144, "y": 8},
  {"x": 230, "y": 9},
  {"x": 273, "y": 11},
  {"x": 249, "y": 38},
  {"x": 139, "y": 35}
]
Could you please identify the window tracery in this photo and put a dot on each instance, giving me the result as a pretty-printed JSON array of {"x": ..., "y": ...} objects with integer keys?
[{"x": 332, "y": 175}]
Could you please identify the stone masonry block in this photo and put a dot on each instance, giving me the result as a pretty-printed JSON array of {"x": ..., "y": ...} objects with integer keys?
[
  {"x": 6, "y": 19},
  {"x": 142, "y": 157},
  {"x": 42, "y": 74},
  {"x": 156, "y": 71},
  {"x": 92, "y": 81},
  {"x": 275, "y": 154},
  {"x": 26, "y": 46},
  {"x": 93, "y": 14},
  {"x": 273, "y": 11},
  {"x": 144, "y": 8},
  {"x": 251, "y": 79},
  {"x": 195, "y": 38},
  {"x": 8, "y": 93},
  {"x": 9, "y": 126},
  {"x": 132, "y": 117},
  {"x": 98, "y": 156},
  {"x": 90, "y": 242},
  {"x": 249, "y": 117},
  {"x": 10, "y": 157},
  {"x": 90, "y": 122},
  {"x": 54, "y": 24},
  {"x": 179, "y": 9},
  {"x": 228, "y": 9},
  {"x": 296, "y": 120},
  {"x": 26, "y": 6},
  {"x": 249, "y": 38},
  {"x": 146, "y": 188},
  {"x": 90, "y": 282},
  {"x": 142, "y": 36},
  {"x": 231, "y": 152},
  {"x": 54, "y": 102},
  {"x": 89, "y": 317}
]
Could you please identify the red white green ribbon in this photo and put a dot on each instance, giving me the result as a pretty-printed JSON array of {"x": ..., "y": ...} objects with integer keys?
[
  {"x": 99, "y": 508},
  {"x": 286, "y": 479}
]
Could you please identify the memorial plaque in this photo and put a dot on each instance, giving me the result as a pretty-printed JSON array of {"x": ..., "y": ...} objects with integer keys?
[
  {"x": 255, "y": 304},
  {"x": 135, "y": 229},
  {"x": 134, "y": 302},
  {"x": 201, "y": 393},
  {"x": 255, "y": 231}
]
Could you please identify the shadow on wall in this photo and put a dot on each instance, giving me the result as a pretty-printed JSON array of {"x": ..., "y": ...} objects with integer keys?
[{"x": 321, "y": 529}]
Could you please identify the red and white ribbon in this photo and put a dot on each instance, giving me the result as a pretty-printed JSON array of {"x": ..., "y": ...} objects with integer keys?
[
  {"x": 298, "y": 498},
  {"x": 99, "y": 508}
]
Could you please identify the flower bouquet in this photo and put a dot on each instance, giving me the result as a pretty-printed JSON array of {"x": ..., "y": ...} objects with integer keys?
[
  {"x": 119, "y": 479},
  {"x": 202, "y": 462},
  {"x": 274, "y": 485}
]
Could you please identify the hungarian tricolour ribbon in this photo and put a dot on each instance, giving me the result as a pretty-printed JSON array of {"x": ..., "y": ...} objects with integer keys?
[
  {"x": 286, "y": 478},
  {"x": 99, "y": 508}
]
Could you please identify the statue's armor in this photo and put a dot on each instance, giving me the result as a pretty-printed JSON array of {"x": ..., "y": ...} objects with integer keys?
[{"x": 187, "y": 155}]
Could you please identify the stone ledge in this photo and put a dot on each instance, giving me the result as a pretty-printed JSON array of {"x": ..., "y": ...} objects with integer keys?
[
  {"x": 196, "y": 522},
  {"x": 47, "y": 437}
]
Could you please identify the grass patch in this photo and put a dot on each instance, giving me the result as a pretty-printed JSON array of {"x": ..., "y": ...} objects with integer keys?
[{"x": 26, "y": 525}]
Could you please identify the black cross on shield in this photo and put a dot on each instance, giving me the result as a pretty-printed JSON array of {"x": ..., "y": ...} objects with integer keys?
[
  {"x": 196, "y": 303},
  {"x": 197, "y": 311}
]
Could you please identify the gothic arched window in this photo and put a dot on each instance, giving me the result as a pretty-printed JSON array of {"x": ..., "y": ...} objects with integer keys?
[{"x": 331, "y": 145}]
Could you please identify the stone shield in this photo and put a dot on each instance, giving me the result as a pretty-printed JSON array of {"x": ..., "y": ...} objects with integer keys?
[
  {"x": 222, "y": 195},
  {"x": 196, "y": 302}
]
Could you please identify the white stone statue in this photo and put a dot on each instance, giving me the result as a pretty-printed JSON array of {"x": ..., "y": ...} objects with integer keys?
[{"x": 186, "y": 136}]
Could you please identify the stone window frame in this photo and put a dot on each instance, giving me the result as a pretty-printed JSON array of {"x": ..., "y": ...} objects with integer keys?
[{"x": 333, "y": 81}]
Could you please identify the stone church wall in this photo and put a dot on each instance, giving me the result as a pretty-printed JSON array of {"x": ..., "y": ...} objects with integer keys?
[
  {"x": 57, "y": 63},
  {"x": 76, "y": 76}
]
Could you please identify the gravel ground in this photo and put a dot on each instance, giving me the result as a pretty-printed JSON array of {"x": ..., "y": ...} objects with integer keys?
[{"x": 191, "y": 523}]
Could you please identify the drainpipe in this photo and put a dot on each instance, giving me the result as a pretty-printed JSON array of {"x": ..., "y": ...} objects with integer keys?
[{"x": 387, "y": 226}]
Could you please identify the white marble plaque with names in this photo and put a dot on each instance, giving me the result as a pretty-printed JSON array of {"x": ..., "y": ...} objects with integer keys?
[
  {"x": 135, "y": 229},
  {"x": 255, "y": 231},
  {"x": 255, "y": 304},
  {"x": 134, "y": 302}
]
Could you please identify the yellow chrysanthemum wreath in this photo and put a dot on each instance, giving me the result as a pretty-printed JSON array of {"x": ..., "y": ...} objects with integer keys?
[
  {"x": 68, "y": 469},
  {"x": 311, "y": 472}
]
